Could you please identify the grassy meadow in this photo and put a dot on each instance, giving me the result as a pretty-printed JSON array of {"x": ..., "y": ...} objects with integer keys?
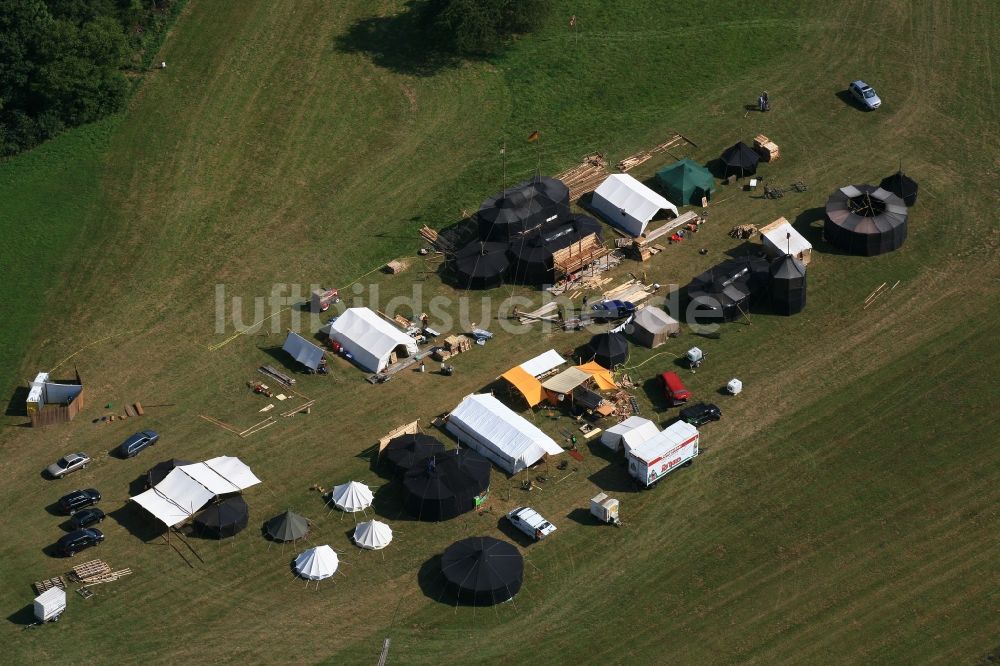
[{"x": 843, "y": 510}]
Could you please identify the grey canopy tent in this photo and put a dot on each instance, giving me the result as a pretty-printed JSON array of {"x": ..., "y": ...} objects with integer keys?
[
  {"x": 651, "y": 327},
  {"x": 288, "y": 526}
]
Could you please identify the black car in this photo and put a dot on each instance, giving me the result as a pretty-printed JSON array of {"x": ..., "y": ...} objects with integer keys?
[
  {"x": 137, "y": 442},
  {"x": 86, "y": 517},
  {"x": 78, "y": 499},
  {"x": 700, "y": 414},
  {"x": 77, "y": 540}
]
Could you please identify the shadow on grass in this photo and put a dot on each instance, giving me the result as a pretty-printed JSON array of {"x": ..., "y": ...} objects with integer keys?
[
  {"x": 137, "y": 522},
  {"x": 431, "y": 581},
  {"x": 847, "y": 98},
  {"x": 17, "y": 405},
  {"x": 514, "y": 534},
  {"x": 24, "y": 616},
  {"x": 583, "y": 517},
  {"x": 810, "y": 224},
  {"x": 614, "y": 476},
  {"x": 653, "y": 388},
  {"x": 396, "y": 42}
]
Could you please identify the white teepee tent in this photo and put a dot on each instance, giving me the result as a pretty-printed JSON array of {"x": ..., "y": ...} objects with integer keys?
[
  {"x": 352, "y": 496},
  {"x": 372, "y": 535},
  {"x": 317, "y": 563}
]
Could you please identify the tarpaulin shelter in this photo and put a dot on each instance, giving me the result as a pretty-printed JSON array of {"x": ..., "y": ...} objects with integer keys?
[
  {"x": 543, "y": 363},
  {"x": 635, "y": 428},
  {"x": 628, "y": 204},
  {"x": 724, "y": 292},
  {"x": 352, "y": 496},
  {"x": 788, "y": 285},
  {"x": 159, "y": 471},
  {"x": 372, "y": 342},
  {"x": 865, "y": 220},
  {"x": 686, "y": 182},
  {"x": 482, "y": 571},
  {"x": 608, "y": 349},
  {"x": 739, "y": 160},
  {"x": 317, "y": 563},
  {"x": 372, "y": 535},
  {"x": 902, "y": 186},
  {"x": 602, "y": 376},
  {"x": 559, "y": 386},
  {"x": 652, "y": 327},
  {"x": 532, "y": 254},
  {"x": 487, "y": 425},
  {"x": 302, "y": 350},
  {"x": 525, "y": 384},
  {"x": 780, "y": 238},
  {"x": 223, "y": 519},
  {"x": 481, "y": 265},
  {"x": 288, "y": 526},
  {"x": 535, "y": 203},
  {"x": 405, "y": 451},
  {"x": 444, "y": 486}
]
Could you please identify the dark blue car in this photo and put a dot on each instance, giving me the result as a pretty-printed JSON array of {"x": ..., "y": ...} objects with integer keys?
[
  {"x": 86, "y": 518},
  {"x": 613, "y": 310},
  {"x": 137, "y": 442}
]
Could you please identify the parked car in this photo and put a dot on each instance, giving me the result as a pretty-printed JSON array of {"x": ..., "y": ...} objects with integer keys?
[
  {"x": 701, "y": 413},
  {"x": 865, "y": 95},
  {"x": 137, "y": 442},
  {"x": 531, "y": 523},
  {"x": 674, "y": 389},
  {"x": 68, "y": 463},
  {"x": 612, "y": 309},
  {"x": 78, "y": 499},
  {"x": 77, "y": 540},
  {"x": 86, "y": 517}
]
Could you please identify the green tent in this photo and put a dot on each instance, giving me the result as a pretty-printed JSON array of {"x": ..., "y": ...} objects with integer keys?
[{"x": 686, "y": 182}]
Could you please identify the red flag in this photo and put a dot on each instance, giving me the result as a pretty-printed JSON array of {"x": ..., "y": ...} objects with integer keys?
[{"x": 534, "y": 136}]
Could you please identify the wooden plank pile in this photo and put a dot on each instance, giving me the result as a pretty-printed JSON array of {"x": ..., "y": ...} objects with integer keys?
[
  {"x": 109, "y": 577},
  {"x": 48, "y": 584},
  {"x": 453, "y": 346},
  {"x": 89, "y": 570},
  {"x": 630, "y": 290},
  {"x": 586, "y": 176},
  {"x": 395, "y": 266},
  {"x": 635, "y": 160},
  {"x": 743, "y": 231},
  {"x": 579, "y": 255},
  {"x": 767, "y": 149},
  {"x": 277, "y": 375},
  {"x": 435, "y": 239}
]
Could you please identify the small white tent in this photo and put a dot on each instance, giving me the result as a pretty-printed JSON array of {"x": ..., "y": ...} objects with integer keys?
[
  {"x": 373, "y": 535},
  {"x": 369, "y": 339},
  {"x": 317, "y": 563},
  {"x": 780, "y": 238},
  {"x": 628, "y": 204},
  {"x": 631, "y": 432},
  {"x": 542, "y": 363},
  {"x": 352, "y": 496},
  {"x": 494, "y": 430},
  {"x": 303, "y": 351}
]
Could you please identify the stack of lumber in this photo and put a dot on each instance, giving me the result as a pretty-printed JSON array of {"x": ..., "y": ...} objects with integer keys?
[
  {"x": 277, "y": 375},
  {"x": 635, "y": 160},
  {"x": 632, "y": 290},
  {"x": 394, "y": 267},
  {"x": 49, "y": 583},
  {"x": 767, "y": 149},
  {"x": 586, "y": 176},
  {"x": 434, "y": 239},
  {"x": 547, "y": 312},
  {"x": 690, "y": 217},
  {"x": 453, "y": 345},
  {"x": 579, "y": 255},
  {"x": 90, "y": 569},
  {"x": 108, "y": 577}
]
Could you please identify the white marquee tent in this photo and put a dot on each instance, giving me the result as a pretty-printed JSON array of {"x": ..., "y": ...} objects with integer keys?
[
  {"x": 628, "y": 204},
  {"x": 370, "y": 339},
  {"x": 629, "y": 433},
  {"x": 543, "y": 363},
  {"x": 317, "y": 563},
  {"x": 494, "y": 430},
  {"x": 373, "y": 535},
  {"x": 352, "y": 496},
  {"x": 188, "y": 488},
  {"x": 302, "y": 350}
]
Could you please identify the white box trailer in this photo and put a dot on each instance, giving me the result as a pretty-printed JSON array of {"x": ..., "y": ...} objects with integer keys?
[
  {"x": 604, "y": 508},
  {"x": 50, "y": 604},
  {"x": 662, "y": 454}
]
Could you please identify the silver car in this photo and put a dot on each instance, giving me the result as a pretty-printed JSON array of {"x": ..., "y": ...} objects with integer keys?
[
  {"x": 68, "y": 463},
  {"x": 865, "y": 94}
]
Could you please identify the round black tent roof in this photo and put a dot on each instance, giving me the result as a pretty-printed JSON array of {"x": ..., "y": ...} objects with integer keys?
[
  {"x": 404, "y": 451},
  {"x": 739, "y": 160},
  {"x": 531, "y": 254},
  {"x": 725, "y": 290},
  {"x": 608, "y": 349},
  {"x": 223, "y": 519},
  {"x": 788, "y": 285},
  {"x": 534, "y": 203},
  {"x": 159, "y": 471},
  {"x": 481, "y": 265},
  {"x": 441, "y": 487},
  {"x": 288, "y": 526},
  {"x": 482, "y": 570},
  {"x": 902, "y": 186},
  {"x": 865, "y": 220}
]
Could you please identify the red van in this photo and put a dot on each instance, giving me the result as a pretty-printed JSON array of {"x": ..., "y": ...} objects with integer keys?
[{"x": 674, "y": 388}]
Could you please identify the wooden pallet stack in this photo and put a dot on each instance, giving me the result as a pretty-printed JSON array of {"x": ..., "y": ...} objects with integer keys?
[
  {"x": 586, "y": 176},
  {"x": 767, "y": 149},
  {"x": 49, "y": 583},
  {"x": 453, "y": 345},
  {"x": 90, "y": 569}
]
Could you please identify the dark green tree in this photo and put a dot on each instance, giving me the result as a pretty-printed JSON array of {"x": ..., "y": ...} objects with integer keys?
[{"x": 479, "y": 27}]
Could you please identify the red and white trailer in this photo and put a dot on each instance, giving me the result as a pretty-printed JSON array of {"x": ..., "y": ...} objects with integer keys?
[{"x": 663, "y": 453}]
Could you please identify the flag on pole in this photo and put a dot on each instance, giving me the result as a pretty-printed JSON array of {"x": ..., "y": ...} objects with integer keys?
[{"x": 534, "y": 136}]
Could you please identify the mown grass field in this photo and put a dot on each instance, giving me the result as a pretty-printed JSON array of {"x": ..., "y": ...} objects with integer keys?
[{"x": 844, "y": 509}]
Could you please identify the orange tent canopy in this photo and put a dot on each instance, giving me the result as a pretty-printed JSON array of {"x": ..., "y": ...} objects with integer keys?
[
  {"x": 605, "y": 381},
  {"x": 526, "y": 385}
]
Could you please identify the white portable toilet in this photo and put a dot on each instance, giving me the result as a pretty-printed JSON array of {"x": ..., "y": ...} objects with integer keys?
[{"x": 734, "y": 386}]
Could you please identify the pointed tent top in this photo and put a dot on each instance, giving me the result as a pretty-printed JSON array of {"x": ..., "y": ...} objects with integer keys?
[
  {"x": 352, "y": 496},
  {"x": 288, "y": 526},
  {"x": 317, "y": 563},
  {"x": 372, "y": 535}
]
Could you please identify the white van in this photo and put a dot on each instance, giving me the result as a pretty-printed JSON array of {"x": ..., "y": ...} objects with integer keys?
[{"x": 531, "y": 523}]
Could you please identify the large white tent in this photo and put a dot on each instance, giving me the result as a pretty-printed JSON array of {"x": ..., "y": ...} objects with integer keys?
[
  {"x": 188, "y": 488},
  {"x": 303, "y": 351},
  {"x": 372, "y": 535},
  {"x": 317, "y": 563},
  {"x": 628, "y": 204},
  {"x": 629, "y": 433},
  {"x": 543, "y": 363},
  {"x": 352, "y": 496},
  {"x": 494, "y": 430},
  {"x": 369, "y": 339}
]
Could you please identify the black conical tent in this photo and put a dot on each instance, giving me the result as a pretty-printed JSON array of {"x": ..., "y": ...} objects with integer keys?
[
  {"x": 444, "y": 486},
  {"x": 159, "y": 471},
  {"x": 725, "y": 291},
  {"x": 531, "y": 254},
  {"x": 865, "y": 220},
  {"x": 406, "y": 450},
  {"x": 482, "y": 571},
  {"x": 529, "y": 205},
  {"x": 788, "y": 285},
  {"x": 902, "y": 186},
  {"x": 481, "y": 265},
  {"x": 608, "y": 349},
  {"x": 288, "y": 526},
  {"x": 740, "y": 160},
  {"x": 223, "y": 519}
]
